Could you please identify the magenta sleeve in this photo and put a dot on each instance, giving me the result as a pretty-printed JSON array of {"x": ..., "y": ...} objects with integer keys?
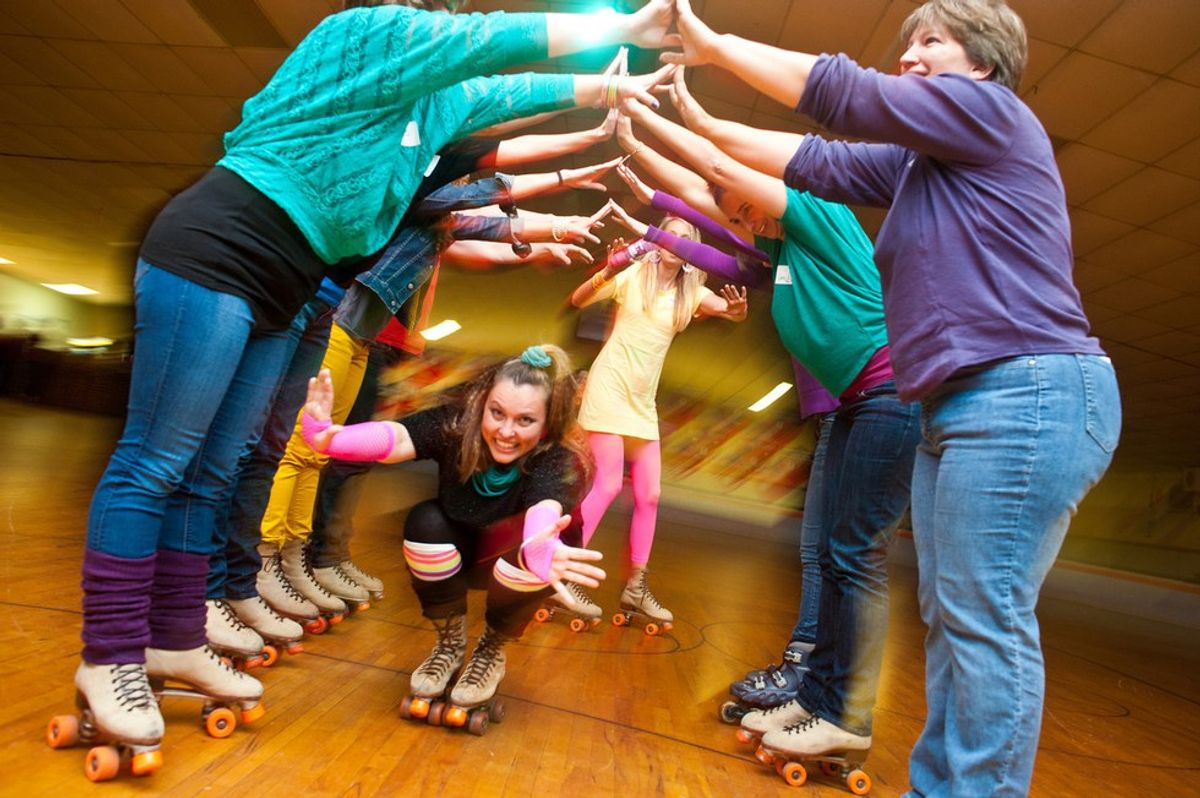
[
  {"x": 677, "y": 207},
  {"x": 537, "y": 553},
  {"x": 707, "y": 258},
  {"x": 370, "y": 441}
]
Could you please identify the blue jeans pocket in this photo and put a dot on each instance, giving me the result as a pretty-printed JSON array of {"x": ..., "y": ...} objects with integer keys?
[{"x": 1103, "y": 400}]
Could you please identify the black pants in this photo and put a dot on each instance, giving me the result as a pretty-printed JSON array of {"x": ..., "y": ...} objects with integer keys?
[{"x": 508, "y": 611}]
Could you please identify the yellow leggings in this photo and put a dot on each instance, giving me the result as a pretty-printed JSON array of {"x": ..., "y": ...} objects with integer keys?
[{"x": 294, "y": 492}]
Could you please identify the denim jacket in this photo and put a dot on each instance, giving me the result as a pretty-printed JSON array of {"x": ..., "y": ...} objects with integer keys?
[{"x": 408, "y": 260}]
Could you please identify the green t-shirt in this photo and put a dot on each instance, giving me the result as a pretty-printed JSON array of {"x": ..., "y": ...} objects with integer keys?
[{"x": 827, "y": 303}]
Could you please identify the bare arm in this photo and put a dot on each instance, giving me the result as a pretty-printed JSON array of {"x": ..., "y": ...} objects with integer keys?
[
  {"x": 599, "y": 285},
  {"x": 539, "y": 147},
  {"x": 730, "y": 304},
  {"x": 780, "y": 74},
  {"x": 487, "y": 255},
  {"x": 502, "y": 129},
  {"x": 585, "y": 178},
  {"x": 645, "y": 28},
  {"x": 363, "y": 437}
]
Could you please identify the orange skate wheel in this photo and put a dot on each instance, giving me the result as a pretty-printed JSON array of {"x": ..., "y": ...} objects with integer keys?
[
  {"x": 419, "y": 708},
  {"x": 146, "y": 762},
  {"x": 744, "y": 736},
  {"x": 651, "y": 629},
  {"x": 764, "y": 756},
  {"x": 595, "y": 622},
  {"x": 335, "y": 619},
  {"x": 578, "y": 624},
  {"x": 63, "y": 731},
  {"x": 437, "y": 713},
  {"x": 102, "y": 763},
  {"x": 270, "y": 656},
  {"x": 795, "y": 774},
  {"x": 858, "y": 782},
  {"x": 542, "y": 615},
  {"x": 498, "y": 712},
  {"x": 478, "y": 724},
  {"x": 253, "y": 713},
  {"x": 220, "y": 722},
  {"x": 455, "y": 716},
  {"x": 620, "y": 619},
  {"x": 295, "y": 648},
  {"x": 364, "y": 606},
  {"x": 667, "y": 626},
  {"x": 228, "y": 663},
  {"x": 253, "y": 662},
  {"x": 317, "y": 626}
]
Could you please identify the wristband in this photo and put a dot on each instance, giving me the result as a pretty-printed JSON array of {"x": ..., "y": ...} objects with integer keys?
[
  {"x": 598, "y": 280},
  {"x": 558, "y": 229},
  {"x": 559, "y": 173},
  {"x": 311, "y": 427}
]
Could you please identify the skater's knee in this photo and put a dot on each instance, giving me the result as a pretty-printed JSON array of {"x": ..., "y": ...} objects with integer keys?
[{"x": 432, "y": 562}]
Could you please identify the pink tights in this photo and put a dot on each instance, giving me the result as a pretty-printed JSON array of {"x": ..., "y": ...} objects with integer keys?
[{"x": 645, "y": 467}]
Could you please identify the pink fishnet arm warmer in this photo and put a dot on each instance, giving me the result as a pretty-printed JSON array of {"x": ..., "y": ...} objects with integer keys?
[
  {"x": 366, "y": 442},
  {"x": 538, "y": 552}
]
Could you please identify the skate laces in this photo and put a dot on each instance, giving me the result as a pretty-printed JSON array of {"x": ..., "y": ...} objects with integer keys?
[
  {"x": 802, "y": 726},
  {"x": 132, "y": 686},
  {"x": 451, "y": 642},
  {"x": 232, "y": 617},
  {"x": 354, "y": 572},
  {"x": 647, "y": 598},
  {"x": 486, "y": 655},
  {"x": 577, "y": 593},
  {"x": 344, "y": 575},
  {"x": 276, "y": 568},
  {"x": 308, "y": 571}
]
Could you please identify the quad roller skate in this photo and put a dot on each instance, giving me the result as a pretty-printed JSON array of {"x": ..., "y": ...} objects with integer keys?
[
  {"x": 117, "y": 716},
  {"x": 233, "y": 639},
  {"x": 770, "y": 687},
  {"x": 586, "y": 613},
  {"x": 638, "y": 602},
  {"x": 275, "y": 589},
  {"x": 199, "y": 674},
  {"x": 294, "y": 562},
  {"x": 837, "y": 753},
  {"x": 473, "y": 701},
  {"x": 758, "y": 722},
  {"x": 431, "y": 679},
  {"x": 338, "y": 583},
  {"x": 281, "y": 634},
  {"x": 373, "y": 584}
]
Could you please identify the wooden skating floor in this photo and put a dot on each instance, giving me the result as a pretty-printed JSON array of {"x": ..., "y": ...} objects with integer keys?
[{"x": 602, "y": 713}]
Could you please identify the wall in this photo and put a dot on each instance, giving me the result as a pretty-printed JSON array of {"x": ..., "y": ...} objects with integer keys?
[{"x": 26, "y": 306}]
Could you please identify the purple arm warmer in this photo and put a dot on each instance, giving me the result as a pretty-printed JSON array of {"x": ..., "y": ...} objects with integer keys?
[
  {"x": 677, "y": 207},
  {"x": 537, "y": 553},
  {"x": 367, "y": 442},
  {"x": 709, "y": 259}
]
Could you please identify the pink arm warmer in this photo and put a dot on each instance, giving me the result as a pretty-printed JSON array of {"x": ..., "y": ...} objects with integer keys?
[
  {"x": 638, "y": 248},
  {"x": 536, "y": 555},
  {"x": 369, "y": 441}
]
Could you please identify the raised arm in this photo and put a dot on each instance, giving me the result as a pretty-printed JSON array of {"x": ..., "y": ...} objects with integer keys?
[
  {"x": 488, "y": 255},
  {"x": 729, "y": 304},
  {"x": 371, "y": 441},
  {"x": 544, "y": 146},
  {"x": 778, "y": 73}
]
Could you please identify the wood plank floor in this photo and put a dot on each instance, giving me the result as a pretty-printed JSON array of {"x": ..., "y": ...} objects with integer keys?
[{"x": 603, "y": 713}]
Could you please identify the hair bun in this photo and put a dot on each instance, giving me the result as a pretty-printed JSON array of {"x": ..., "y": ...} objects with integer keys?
[{"x": 536, "y": 357}]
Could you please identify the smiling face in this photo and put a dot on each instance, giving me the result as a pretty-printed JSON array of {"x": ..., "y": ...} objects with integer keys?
[
  {"x": 676, "y": 227},
  {"x": 933, "y": 51},
  {"x": 743, "y": 212},
  {"x": 513, "y": 419}
]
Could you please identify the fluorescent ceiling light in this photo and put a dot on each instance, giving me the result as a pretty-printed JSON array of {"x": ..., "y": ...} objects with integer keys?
[
  {"x": 73, "y": 289},
  {"x": 772, "y": 395},
  {"x": 7, "y": 262},
  {"x": 88, "y": 343},
  {"x": 441, "y": 330}
]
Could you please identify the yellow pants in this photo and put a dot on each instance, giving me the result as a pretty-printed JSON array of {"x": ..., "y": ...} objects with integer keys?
[{"x": 294, "y": 490}]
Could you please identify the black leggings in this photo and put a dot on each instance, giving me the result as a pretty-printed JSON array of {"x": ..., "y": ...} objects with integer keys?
[{"x": 508, "y": 611}]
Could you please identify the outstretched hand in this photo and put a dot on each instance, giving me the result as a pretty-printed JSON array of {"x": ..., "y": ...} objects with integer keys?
[
  {"x": 648, "y": 25},
  {"x": 588, "y": 178},
  {"x": 641, "y": 191},
  {"x": 736, "y": 302},
  {"x": 319, "y": 405},
  {"x": 640, "y": 87},
  {"x": 623, "y": 218},
  {"x": 697, "y": 41},
  {"x": 690, "y": 110},
  {"x": 569, "y": 563},
  {"x": 556, "y": 255}
]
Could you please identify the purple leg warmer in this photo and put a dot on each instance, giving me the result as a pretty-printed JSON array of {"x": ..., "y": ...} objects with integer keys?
[
  {"x": 116, "y": 608},
  {"x": 177, "y": 609}
]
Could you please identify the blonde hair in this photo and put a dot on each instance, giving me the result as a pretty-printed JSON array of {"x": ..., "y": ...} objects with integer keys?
[
  {"x": 687, "y": 280},
  {"x": 560, "y": 384},
  {"x": 991, "y": 34}
]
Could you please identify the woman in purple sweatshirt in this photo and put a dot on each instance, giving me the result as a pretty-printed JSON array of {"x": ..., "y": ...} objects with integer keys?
[{"x": 1020, "y": 412}]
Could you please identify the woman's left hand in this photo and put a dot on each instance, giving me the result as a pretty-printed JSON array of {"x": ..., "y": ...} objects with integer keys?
[
  {"x": 736, "y": 301},
  {"x": 588, "y": 178},
  {"x": 569, "y": 563}
]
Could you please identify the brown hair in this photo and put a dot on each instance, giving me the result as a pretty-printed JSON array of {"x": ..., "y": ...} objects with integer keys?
[
  {"x": 561, "y": 385},
  {"x": 990, "y": 32}
]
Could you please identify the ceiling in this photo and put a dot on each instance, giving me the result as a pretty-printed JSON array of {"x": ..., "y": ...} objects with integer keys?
[{"x": 108, "y": 107}]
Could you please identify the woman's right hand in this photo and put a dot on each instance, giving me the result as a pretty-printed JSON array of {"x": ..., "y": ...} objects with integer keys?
[
  {"x": 641, "y": 191},
  {"x": 319, "y": 406},
  {"x": 633, "y": 225}
]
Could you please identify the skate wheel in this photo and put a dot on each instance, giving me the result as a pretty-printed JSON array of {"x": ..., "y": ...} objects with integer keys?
[
  {"x": 295, "y": 648},
  {"x": 764, "y": 756},
  {"x": 144, "y": 763},
  {"x": 478, "y": 724},
  {"x": 253, "y": 713},
  {"x": 228, "y": 663},
  {"x": 436, "y": 713},
  {"x": 578, "y": 625},
  {"x": 731, "y": 712},
  {"x": 62, "y": 731},
  {"x": 220, "y": 722},
  {"x": 667, "y": 626},
  {"x": 317, "y": 626},
  {"x": 254, "y": 662},
  {"x": 794, "y": 774},
  {"x": 498, "y": 712},
  {"x": 102, "y": 763},
  {"x": 745, "y": 736},
  {"x": 364, "y": 606},
  {"x": 455, "y": 716},
  {"x": 270, "y": 656},
  {"x": 595, "y": 622},
  {"x": 334, "y": 620},
  {"x": 620, "y": 619},
  {"x": 858, "y": 782},
  {"x": 542, "y": 615},
  {"x": 651, "y": 629},
  {"x": 419, "y": 708},
  {"x": 829, "y": 769}
]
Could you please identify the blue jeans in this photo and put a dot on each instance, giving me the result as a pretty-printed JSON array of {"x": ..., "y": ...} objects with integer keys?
[
  {"x": 234, "y": 567},
  {"x": 1008, "y": 452},
  {"x": 201, "y": 376},
  {"x": 868, "y": 469},
  {"x": 811, "y": 532}
]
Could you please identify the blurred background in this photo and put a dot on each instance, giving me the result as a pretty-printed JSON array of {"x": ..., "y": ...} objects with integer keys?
[{"x": 110, "y": 107}]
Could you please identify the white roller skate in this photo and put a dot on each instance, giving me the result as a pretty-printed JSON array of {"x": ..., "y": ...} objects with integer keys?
[
  {"x": 275, "y": 589},
  {"x": 638, "y": 602},
  {"x": 372, "y": 584},
  {"x": 587, "y": 613},
  {"x": 281, "y": 634},
  {"x": 117, "y": 714},
  {"x": 837, "y": 752},
  {"x": 198, "y": 673},
  {"x": 432, "y": 677},
  {"x": 473, "y": 701},
  {"x": 338, "y": 582},
  {"x": 294, "y": 562},
  {"x": 757, "y": 723},
  {"x": 231, "y": 638}
]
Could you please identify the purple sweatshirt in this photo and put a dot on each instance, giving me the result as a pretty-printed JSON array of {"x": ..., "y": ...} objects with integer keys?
[{"x": 975, "y": 253}]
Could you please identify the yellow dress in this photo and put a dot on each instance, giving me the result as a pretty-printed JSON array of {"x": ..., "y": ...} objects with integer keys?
[{"x": 623, "y": 381}]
